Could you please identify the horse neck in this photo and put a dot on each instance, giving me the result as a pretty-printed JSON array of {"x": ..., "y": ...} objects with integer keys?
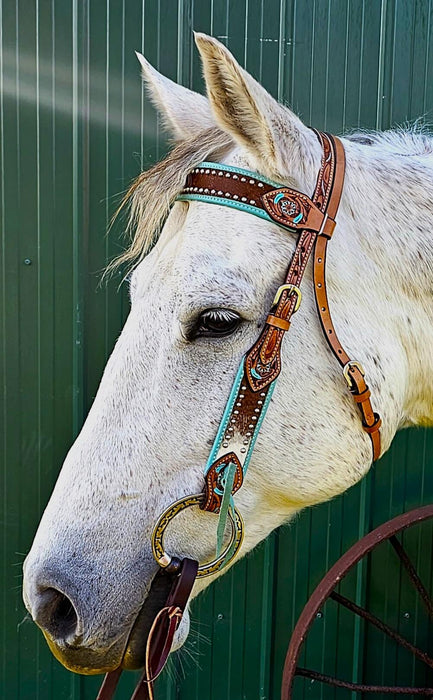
[{"x": 388, "y": 207}]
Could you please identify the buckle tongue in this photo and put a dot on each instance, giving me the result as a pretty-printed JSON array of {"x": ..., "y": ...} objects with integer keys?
[{"x": 346, "y": 369}]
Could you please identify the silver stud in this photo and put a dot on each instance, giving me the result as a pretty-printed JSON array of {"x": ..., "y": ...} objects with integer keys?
[
  {"x": 220, "y": 193},
  {"x": 202, "y": 170},
  {"x": 243, "y": 450},
  {"x": 251, "y": 425},
  {"x": 228, "y": 175},
  {"x": 212, "y": 191},
  {"x": 235, "y": 177},
  {"x": 220, "y": 173},
  {"x": 207, "y": 171},
  {"x": 233, "y": 420},
  {"x": 206, "y": 190},
  {"x": 253, "y": 417},
  {"x": 259, "y": 403},
  {"x": 225, "y": 444},
  {"x": 263, "y": 393},
  {"x": 244, "y": 199},
  {"x": 252, "y": 182},
  {"x": 260, "y": 184},
  {"x": 200, "y": 189},
  {"x": 195, "y": 189},
  {"x": 213, "y": 172},
  {"x": 244, "y": 388},
  {"x": 241, "y": 396},
  {"x": 237, "y": 413},
  {"x": 235, "y": 196},
  {"x": 252, "y": 201},
  {"x": 243, "y": 179},
  {"x": 230, "y": 428},
  {"x": 228, "y": 194},
  {"x": 249, "y": 434},
  {"x": 246, "y": 442},
  {"x": 256, "y": 410}
]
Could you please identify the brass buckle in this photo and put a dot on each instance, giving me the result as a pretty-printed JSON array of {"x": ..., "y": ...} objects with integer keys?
[
  {"x": 293, "y": 289},
  {"x": 208, "y": 568},
  {"x": 346, "y": 369}
]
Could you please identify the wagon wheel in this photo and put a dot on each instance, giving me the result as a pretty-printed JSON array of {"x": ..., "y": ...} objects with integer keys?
[{"x": 326, "y": 589}]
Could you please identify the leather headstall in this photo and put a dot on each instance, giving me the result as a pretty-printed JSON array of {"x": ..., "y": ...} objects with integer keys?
[{"x": 313, "y": 218}]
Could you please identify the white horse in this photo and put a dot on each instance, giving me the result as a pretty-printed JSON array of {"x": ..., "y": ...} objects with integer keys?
[{"x": 198, "y": 302}]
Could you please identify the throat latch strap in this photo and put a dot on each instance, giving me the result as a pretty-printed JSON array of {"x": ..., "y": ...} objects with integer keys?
[{"x": 352, "y": 369}]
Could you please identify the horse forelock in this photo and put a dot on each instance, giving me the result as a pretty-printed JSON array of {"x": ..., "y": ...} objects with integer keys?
[{"x": 153, "y": 192}]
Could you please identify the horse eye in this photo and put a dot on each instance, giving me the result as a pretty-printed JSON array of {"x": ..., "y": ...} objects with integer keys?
[{"x": 216, "y": 323}]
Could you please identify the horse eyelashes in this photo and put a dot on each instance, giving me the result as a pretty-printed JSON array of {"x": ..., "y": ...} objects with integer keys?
[{"x": 214, "y": 323}]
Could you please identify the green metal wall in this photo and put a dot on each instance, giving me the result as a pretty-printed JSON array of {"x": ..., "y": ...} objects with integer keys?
[{"x": 75, "y": 128}]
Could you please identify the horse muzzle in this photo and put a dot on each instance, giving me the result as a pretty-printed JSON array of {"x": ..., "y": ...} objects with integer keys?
[{"x": 64, "y": 626}]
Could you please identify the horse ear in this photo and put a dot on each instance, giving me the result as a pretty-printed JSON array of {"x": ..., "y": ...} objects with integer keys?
[
  {"x": 275, "y": 136},
  {"x": 184, "y": 112}
]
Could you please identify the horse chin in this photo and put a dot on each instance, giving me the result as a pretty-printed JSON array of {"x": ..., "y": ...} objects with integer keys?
[{"x": 85, "y": 661}]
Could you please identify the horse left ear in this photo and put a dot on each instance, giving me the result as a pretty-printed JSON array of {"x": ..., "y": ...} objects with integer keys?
[
  {"x": 184, "y": 112},
  {"x": 277, "y": 139}
]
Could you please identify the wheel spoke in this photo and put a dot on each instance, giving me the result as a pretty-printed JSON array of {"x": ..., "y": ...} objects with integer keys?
[
  {"x": 360, "y": 688},
  {"x": 398, "y": 547},
  {"x": 357, "y": 610}
]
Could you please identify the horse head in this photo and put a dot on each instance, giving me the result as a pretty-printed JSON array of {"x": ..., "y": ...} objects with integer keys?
[{"x": 203, "y": 279}]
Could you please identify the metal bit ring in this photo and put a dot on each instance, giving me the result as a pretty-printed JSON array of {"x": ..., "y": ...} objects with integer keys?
[{"x": 208, "y": 568}]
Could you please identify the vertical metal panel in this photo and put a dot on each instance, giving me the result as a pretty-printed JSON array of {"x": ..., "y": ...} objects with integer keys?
[{"x": 76, "y": 127}]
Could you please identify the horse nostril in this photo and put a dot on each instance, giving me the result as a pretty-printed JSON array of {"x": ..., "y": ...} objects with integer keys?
[{"x": 56, "y": 615}]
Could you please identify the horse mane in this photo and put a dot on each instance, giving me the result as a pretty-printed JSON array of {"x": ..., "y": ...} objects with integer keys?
[
  {"x": 411, "y": 140},
  {"x": 152, "y": 194}
]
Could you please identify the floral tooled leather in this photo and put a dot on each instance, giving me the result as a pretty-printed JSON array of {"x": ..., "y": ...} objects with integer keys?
[
  {"x": 287, "y": 206},
  {"x": 214, "y": 489},
  {"x": 260, "y": 374}
]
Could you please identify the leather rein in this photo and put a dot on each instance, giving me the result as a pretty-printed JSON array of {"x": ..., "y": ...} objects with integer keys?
[{"x": 314, "y": 220}]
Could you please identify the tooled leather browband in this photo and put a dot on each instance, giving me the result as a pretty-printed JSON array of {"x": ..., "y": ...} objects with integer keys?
[{"x": 314, "y": 219}]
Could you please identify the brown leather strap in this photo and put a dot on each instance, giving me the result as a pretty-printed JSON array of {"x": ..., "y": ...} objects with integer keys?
[
  {"x": 160, "y": 638},
  {"x": 109, "y": 685},
  {"x": 354, "y": 374}
]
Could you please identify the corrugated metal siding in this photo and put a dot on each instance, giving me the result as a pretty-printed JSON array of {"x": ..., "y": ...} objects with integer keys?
[{"x": 76, "y": 128}]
